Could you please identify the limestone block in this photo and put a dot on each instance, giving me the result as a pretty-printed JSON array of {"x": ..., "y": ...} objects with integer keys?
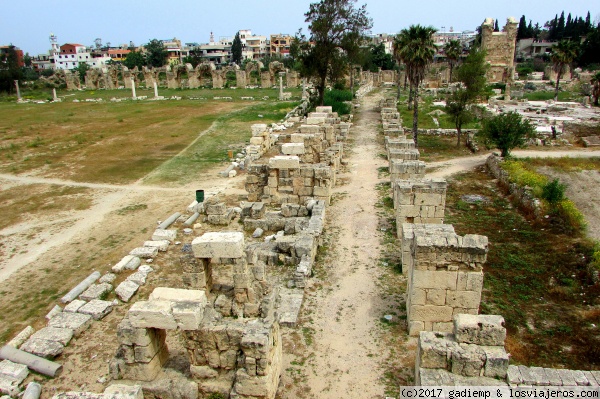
[
  {"x": 145, "y": 354},
  {"x": 440, "y": 326},
  {"x": 164, "y": 234},
  {"x": 128, "y": 262},
  {"x": 580, "y": 378},
  {"x": 433, "y": 377},
  {"x": 216, "y": 208},
  {"x": 464, "y": 299},
  {"x": 441, "y": 280},
  {"x": 96, "y": 291},
  {"x": 566, "y": 377},
  {"x": 430, "y": 313},
  {"x": 126, "y": 290},
  {"x": 480, "y": 329},
  {"x": 203, "y": 372},
  {"x": 43, "y": 348},
  {"x": 496, "y": 361},
  {"x": 513, "y": 376},
  {"x": 97, "y": 308},
  {"x": 293, "y": 149},
  {"x": 76, "y": 322},
  {"x": 152, "y": 314},
  {"x": 470, "y": 281},
  {"x": 432, "y": 350},
  {"x": 219, "y": 245},
  {"x": 468, "y": 360},
  {"x": 436, "y": 297},
  {"x": 144, "y": 252},
  {"x": 284, "y": 162},
  {"x": 188, "y": 315},
  {"x": 61, "y": 335},
  {"x": 257, "y": 140},
  {"x": 15, "y": 371},
  {"x": 74, "y": 306},
  {"x": 322, "y": 191},
  {"x": 553, "y": 377},
  {"x": 254, "y": 386},
  {"x": 534, "y": 376},
  {"x": 146, "y": 371},
  {"x": 590, "y": 377},
  {"x": 78, "y": 395},
  {"x": 178, "y": 295},
  {"x": 120, "y": 391},
  {"x": 162, "y": 245}
]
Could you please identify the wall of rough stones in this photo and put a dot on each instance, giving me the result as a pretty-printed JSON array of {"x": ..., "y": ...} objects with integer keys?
[{"x": 500, "y": 49}]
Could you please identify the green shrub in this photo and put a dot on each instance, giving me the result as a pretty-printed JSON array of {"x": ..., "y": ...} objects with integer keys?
[
  {"x": 336, "y": 99},
  {"x": 517, "y": 173},
  {"x": 553, "y": 192},
  {"x": 574, "y": 219}
]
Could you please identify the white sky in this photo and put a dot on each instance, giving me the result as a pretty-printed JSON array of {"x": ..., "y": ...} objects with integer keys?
[{"x": 27, "y": 24}]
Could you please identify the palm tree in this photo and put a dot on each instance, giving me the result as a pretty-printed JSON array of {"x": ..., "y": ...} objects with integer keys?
[
  {"x": 563, "y": 54},
  {"x": 453, "y": 50},
  {"x": 416, "y": 49}
]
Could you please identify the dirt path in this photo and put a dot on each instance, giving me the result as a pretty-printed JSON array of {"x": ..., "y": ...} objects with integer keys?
[
  {"x": 28, "y": 241},
  {"x": 345, "y": 314},
  {"x": 463, "y": 164}
]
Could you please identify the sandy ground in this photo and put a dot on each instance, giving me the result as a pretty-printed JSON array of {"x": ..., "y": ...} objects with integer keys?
[{"x": 346, "y": 357}]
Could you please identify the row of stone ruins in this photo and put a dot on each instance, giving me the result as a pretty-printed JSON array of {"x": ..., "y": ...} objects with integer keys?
[
  {"x": 203, "y": 75},
  {"x": 456, "y": 345},
  {"x": 228, "y": 309}
]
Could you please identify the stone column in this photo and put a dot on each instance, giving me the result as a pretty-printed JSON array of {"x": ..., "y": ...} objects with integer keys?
[
  {"x": 155, "y": 89},
  {"x": 280, "y": 86},
  {"x": 54, "y": 96},
  {"x": 133, "y": 88},
  {"x": 304, "y": 93},
  {"x": 18, "y": 91}
]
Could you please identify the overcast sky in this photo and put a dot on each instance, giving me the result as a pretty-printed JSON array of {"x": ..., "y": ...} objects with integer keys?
[{"x": 27, "y": 24}]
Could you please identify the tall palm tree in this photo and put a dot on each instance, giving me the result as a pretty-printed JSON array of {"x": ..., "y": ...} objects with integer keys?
[
  {"x": 416, "y": 49},
  {"x": 563, "y": 54},
  {"x": 453, "y": 50}
]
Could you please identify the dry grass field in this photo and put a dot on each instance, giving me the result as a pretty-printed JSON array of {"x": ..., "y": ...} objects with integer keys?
[{"x": 83, "y": 183}]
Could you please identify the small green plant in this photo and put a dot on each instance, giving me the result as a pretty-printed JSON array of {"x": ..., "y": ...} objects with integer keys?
[
  {"x": 553, "y": 192},
  {"x": 574, "y": 219},
  {"x": 215, "y": 395}
]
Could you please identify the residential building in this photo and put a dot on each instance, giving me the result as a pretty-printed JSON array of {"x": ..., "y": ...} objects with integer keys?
[
  {"x": 175, "y": 52},
  {"x": 280, "y": 45},
  {"x": 254, "y": 47},
  {"x": 217, "y": 52},
  {"x": 531, "y": 48},
  {"x": 71, "y": 54},
  {"x": 4, "y": 50},
  {"x": 443, "y": 36}
]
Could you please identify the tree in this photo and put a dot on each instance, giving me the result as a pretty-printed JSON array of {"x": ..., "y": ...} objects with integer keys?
[
  {"x": 236, "y": 49},
  {"x": 156, "y": 54},
  {"x": 507, "y": 131},
  {"x": 27, "y": 60},
  {"x": 496, "y": 27},
  {"x": 522, "y": 33},
  {"x": 416, "y": 49},
  {"x": 81, "y": 69},
  {"x": 331, "y": 22},
  {"x": 596, "y": 87},
  {"x": 590, "y": 49},
  {"x": 9, "y": 70},
  {"x": 563, "y": 54},
  {"x": 380, "y": 59},
  {"x": 453, "y": 50},
  {"x": 472, "y": 74},
  {"x": 134, "y": 59}
]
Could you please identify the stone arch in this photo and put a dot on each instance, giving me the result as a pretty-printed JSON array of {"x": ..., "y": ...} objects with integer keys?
[{"x": 253, "y": 69}]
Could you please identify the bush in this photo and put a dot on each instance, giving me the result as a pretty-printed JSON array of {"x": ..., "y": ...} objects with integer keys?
[
  {"x": 553, "y": 192},
  {"x": 507, "y": 131},
  {"x": 336, "y": 99},
  {"x": 573, "y": 218}
]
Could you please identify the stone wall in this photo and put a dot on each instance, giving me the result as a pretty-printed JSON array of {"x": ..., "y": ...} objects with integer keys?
[
  {"x": 473, "y": 354},
  {"x": 445, "y": 275},
  {"x": 308, "y": 164},
  {"x": 500, "y": 49},
  {"x": 419, "y": 201}
]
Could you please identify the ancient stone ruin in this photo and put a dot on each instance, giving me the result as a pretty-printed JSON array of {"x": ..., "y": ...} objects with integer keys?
[{"x": 500, "y": 49}]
